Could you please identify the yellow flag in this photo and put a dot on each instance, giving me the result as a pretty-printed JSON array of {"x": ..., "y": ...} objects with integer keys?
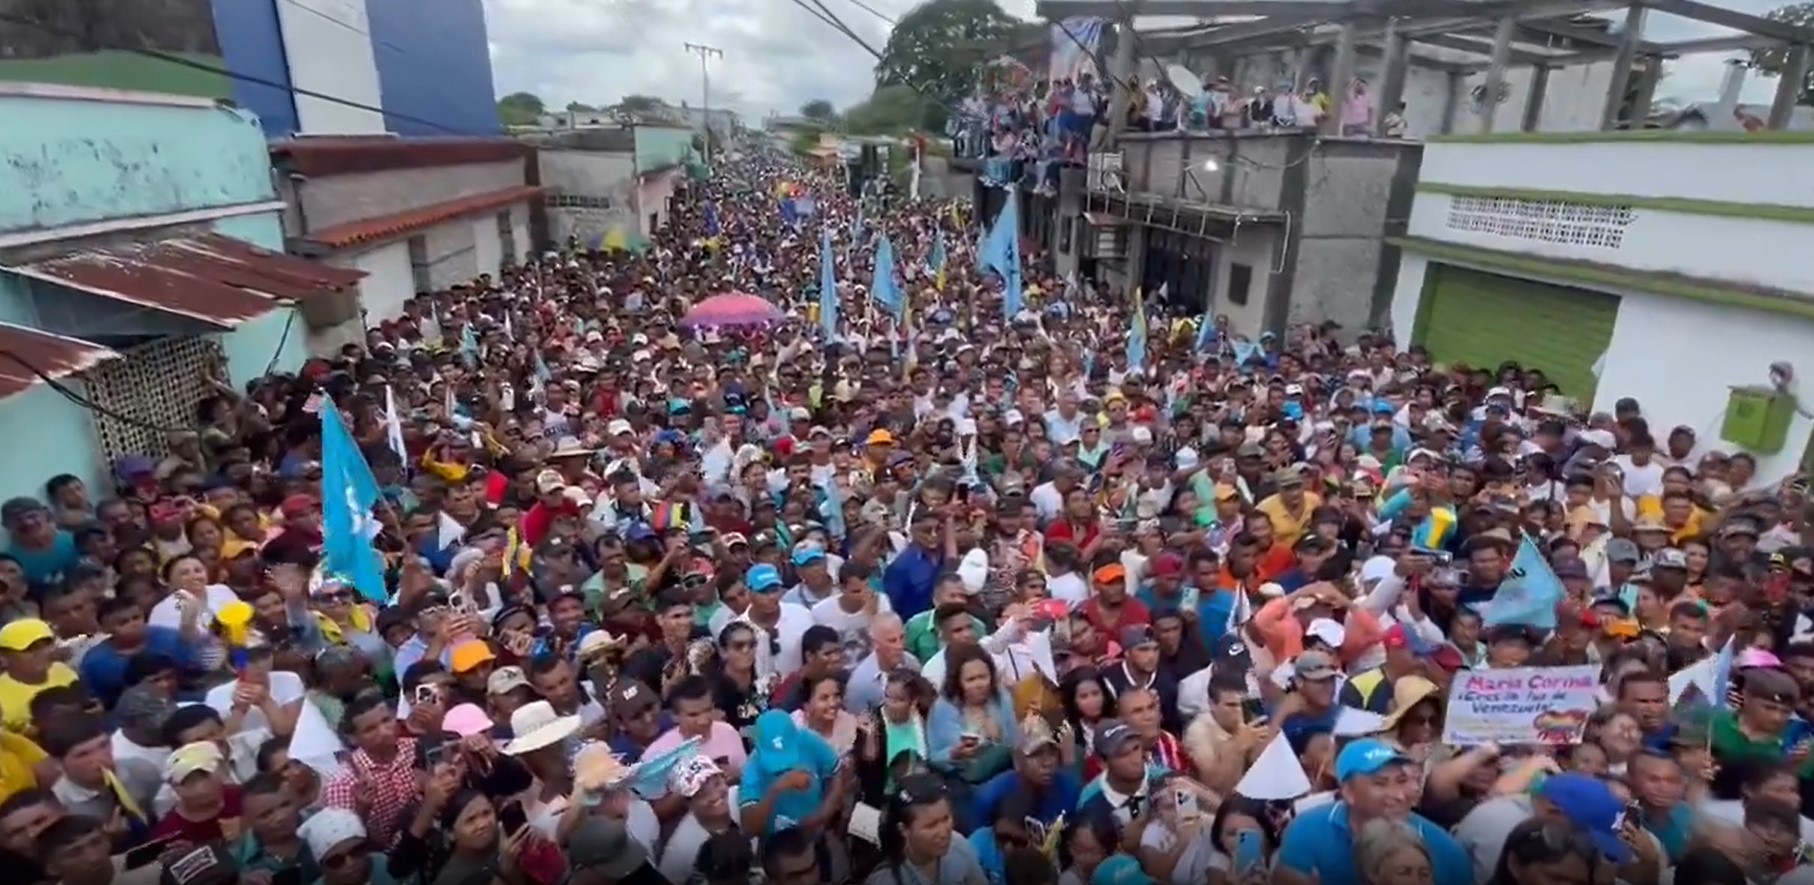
[{"x": 615, "y": 241}]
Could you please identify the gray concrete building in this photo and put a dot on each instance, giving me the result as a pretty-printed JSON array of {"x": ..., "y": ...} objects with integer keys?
[{"x": 589, "y": 183}]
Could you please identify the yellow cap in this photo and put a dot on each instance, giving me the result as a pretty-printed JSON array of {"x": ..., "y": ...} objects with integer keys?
[
  {"x": 469, "y": 655},
  {"x": 191, "y": 759},
  {"x": 23, "y": 634}
]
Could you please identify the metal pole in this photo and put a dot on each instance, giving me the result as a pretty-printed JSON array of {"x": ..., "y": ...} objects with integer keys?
[
  {"x": 1793, "y": 76},
  {"x": 705, "y": 92},
  {"x": 1495, "y": 73},
  {"x": 1621, "y": 68}
]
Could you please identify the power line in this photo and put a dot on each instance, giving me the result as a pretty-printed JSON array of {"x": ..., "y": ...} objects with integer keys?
[
  {"x": 230, "y": 74},
  {"x": 873, "y": 11}
]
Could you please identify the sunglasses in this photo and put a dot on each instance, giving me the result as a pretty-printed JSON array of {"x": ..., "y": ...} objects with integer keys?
[{"x": 345, "y": 858}]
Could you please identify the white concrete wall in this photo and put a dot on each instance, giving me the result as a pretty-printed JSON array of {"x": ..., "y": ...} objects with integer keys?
[
  {"x": 1731, "y": 347},
  {"x": 488, "y": 248},
  {"x": 328, "y": 46},
  {"x": 388, "y": 283},
  {"x": 1740, "y": 173},
  {"x": 519, "y": 231}
]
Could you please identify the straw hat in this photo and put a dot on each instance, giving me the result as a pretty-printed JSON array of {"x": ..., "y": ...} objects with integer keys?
[{"x": 1407, "y": 693}]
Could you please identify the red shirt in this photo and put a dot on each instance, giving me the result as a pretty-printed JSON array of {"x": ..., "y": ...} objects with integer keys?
[
  {"x": 221, "y": 827},
  {"x": 1131, "y": 614},
  {"x": 1062, "y": 530}
]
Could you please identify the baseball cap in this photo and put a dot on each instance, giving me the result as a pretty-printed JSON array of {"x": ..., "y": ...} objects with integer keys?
[
  {"x": 1314, "y": 666},
  {"x": 466, "y": 720},
  {"x": 776, "y": 743},
  {"x": 24, "y": 633},
  {"x": 1623, "y": 550},
  {"x": 505, "y": 680},
  {"x": 1137, "y": 635},
  {"x": 191, "y": 759},
  {"x": 1120, "y": 869},
  {"x": 1366, "y": 756},
  {"x": 630, "y": 697},
  {"x": 1035, "y": 735},
  {"x": 1167, "y": 565},
  {"x": 807, "y": 554},
  {"x": 1669, "y": 557},
  {"x": 1327, "y": 631},
  {"x": 1589, "y": 804},
  {"x": 469, "y": 655},
  {"x": 761, "y": 578},
  {"x": 1112, "y": 737}
]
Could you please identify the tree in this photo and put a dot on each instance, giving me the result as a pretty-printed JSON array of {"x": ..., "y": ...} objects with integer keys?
[
  {"x": 891, "y": 110},
  {"x": 1773, "y": 60},
  {"x": 520, "y": 109},
  {"x": 641, "y": 104},
  {"x": 933, "y": 48},
  {"x": 580, "y": 107},
  {"x": 819, "y": 109}
]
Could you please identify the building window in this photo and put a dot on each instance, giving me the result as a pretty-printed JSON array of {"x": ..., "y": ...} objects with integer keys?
[
  {"x": 1544, "y": 221},
  {"x": 1240, "y": 277},
  {"x": 576, "y": 201}
]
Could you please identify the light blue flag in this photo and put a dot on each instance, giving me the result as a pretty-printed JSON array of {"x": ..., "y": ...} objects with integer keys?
[
  {"x": 1529, "y": 593},
  {"x": 828, "y": 288},
  {"x": 469, "y": 345},
  {"x": 1206, "y": 330},
  {"x": 542, "y": 372},
  {"x": 1001, "y": 253},
  {"x": 856, "y": 227},
  {"x": 832, "y": 510},
  {"x": 882, "y": 287},
  {"x": 936, "y": 263},
  {"x": 349, "y": 491},
  {"x": 649, "y": 777},
  {"x": 1136, "y": 339},
  {"x": 1722, "y": 675},
  {"x": 1244, "y": 351}
]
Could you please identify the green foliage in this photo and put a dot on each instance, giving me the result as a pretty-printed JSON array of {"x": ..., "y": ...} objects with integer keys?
[
  {"x": 580, "y": 107},
  {"x": 520, "y": 109},
  {"x": 893, "y": 110},
  {"x": 805, "y": 139},
  {"x": 1773, "y": 59},
  {"x": 933, "y": 48},
  {"x": 640, "y": 103},
  {"x": 819, "y": 109}
]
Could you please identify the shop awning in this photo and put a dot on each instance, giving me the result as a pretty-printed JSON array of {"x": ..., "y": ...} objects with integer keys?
[
  {"x": 213, "y": 279},
  {"x": 24, "y": 353},
  {"x": 397, "y": 224}
]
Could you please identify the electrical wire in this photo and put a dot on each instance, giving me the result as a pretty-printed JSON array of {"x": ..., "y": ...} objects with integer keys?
[
  {"x": 78, "y": 399},
  {"x": 221, "y": 71}
]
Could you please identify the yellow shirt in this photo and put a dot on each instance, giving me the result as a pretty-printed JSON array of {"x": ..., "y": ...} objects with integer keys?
[
  {"x": 18, "y": 759},
  {"x": 1288, "y": 528},
  {"x": 16, "y": 696},
  {"x": 1652, "y": 505}
]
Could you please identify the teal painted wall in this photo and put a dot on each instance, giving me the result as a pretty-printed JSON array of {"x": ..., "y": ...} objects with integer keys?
[
  {"x": 66, "y": 162},
  {"x": 657, "y": 147},
  {"x": 276, "y": 340},
  {"x": 46, "y": 435},
  {"x": 264, "y": 229}
]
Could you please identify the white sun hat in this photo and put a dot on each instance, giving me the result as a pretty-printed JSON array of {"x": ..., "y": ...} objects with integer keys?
[{"x": 537, "y": 726}]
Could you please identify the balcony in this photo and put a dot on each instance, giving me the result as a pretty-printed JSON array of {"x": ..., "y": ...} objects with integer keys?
[{"x": 1262, "y": 172}]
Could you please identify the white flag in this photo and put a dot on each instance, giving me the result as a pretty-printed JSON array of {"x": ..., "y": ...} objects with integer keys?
[{"x": 393, "y": 427}]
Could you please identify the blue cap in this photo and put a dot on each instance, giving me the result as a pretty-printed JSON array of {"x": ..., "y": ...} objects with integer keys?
[
  {"x": 1382, "y": 407},
  {"x": 1366, "y": 756},
  {"x": 638, "y": 531},
  {"x": 762, "y": 577},
  {"x": 775, "y": 742},
  {"x": 806, "y": 555},
  {"x": 1120, "y": 869},
  {"x": 1589, "y": 803}
]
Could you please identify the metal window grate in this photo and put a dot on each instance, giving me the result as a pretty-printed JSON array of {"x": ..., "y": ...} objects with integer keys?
[
  {"x": 159, "y": 384},
  {"x": 1546, "y": 221}
]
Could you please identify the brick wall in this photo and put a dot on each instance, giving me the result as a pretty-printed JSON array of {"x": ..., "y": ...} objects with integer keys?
[
  {"x": 337, "y": 199},
  {"x": 453, "y": 258}
]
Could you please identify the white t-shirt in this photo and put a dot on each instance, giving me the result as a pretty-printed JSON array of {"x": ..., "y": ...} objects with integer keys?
[
  {"x": 682, "y": 848},
  {"x": 286, "y": 688},
  {"x": 790, "y": 628},
  {"x": 1640, "y": 480},
  {"x": 1068, "y": 587},
  {"x": 853, "y": 628},
  {"x": 169, "y": 611}
]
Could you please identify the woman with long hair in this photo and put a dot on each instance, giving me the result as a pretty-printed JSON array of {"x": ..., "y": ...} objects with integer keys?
[
  {"x": 918, "y": 842},
  {"x": 972, "y": 728},
  {"x": 736, "y": 687},
  {"x": 478, "y": 844},
  {"x": 1083, "y": 845},
  {"x": 1086, "y": 703},
  {"x": 824, "y": 713}
]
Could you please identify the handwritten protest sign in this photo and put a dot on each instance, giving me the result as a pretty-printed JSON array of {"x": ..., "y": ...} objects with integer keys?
[{"x": 1522, "y": 705}]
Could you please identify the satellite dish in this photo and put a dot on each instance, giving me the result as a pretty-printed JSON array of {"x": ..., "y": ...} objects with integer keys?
[{"x": 1184, "y": 81}]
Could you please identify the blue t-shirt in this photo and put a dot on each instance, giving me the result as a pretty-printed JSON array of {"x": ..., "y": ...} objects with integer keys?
[
  {"x": 1299, "y": 728},
  {"x": 816, "y": 758},
  {"x": 47, "y": 566},
  {"x": 1059, "y": 798},
  {"x": 104, "y": 667},
  {"x": 1319, "y": 845}
]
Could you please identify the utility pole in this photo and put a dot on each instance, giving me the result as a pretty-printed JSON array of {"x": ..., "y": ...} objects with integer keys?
[{"x": 705, "y": 91}]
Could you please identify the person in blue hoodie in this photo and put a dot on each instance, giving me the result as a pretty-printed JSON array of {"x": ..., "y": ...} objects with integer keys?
[{"x": 1049, "y": 788}]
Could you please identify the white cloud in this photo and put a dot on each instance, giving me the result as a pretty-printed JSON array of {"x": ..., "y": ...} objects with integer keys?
[{"x": 777, "y": 56}]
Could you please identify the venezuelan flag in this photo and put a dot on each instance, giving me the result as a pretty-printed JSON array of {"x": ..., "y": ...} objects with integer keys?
[{"x": 1436, "y": 529}]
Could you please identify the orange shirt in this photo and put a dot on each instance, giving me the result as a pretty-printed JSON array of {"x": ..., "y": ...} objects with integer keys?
[{"x": 1278, "y": 628}]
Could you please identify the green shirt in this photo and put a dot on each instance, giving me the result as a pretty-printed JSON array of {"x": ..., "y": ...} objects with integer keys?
[
  {"x": 1730, "y": 743},
  {"x": 922, "y": 635}
]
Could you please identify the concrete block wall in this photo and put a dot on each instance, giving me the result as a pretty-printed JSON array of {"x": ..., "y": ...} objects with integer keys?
[{"x": 330, "y": 200}]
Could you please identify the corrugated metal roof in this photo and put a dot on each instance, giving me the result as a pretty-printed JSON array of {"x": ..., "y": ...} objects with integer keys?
[
  {"x": 54, "y": 355},
  {"x": 396, "y": 224},
  {"x": 214, "y": 279},
  {"x": 317, "y": 156}
]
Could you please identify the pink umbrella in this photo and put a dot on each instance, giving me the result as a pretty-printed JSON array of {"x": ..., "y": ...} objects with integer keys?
[{"x": 733, "y": 309}]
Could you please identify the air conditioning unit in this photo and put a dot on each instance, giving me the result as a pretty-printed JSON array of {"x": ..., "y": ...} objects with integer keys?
[{"x": 1105, "y": 173}]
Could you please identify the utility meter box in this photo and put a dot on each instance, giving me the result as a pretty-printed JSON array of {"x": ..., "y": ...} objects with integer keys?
[{"x": 1757, "y": 418}]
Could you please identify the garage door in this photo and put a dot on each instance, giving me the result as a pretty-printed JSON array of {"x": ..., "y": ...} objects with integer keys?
[{"x": 1484, "y": 319}]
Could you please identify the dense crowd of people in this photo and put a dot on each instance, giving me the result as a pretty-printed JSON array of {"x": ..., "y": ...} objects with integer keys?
[{"x": 933, "y": 578}]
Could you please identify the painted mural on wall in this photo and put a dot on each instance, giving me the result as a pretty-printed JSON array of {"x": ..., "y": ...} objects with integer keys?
[{"x": 101, "y": 43}]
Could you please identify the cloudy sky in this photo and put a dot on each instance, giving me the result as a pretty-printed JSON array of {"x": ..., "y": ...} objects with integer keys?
[{"x": 777, "y": 56}]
